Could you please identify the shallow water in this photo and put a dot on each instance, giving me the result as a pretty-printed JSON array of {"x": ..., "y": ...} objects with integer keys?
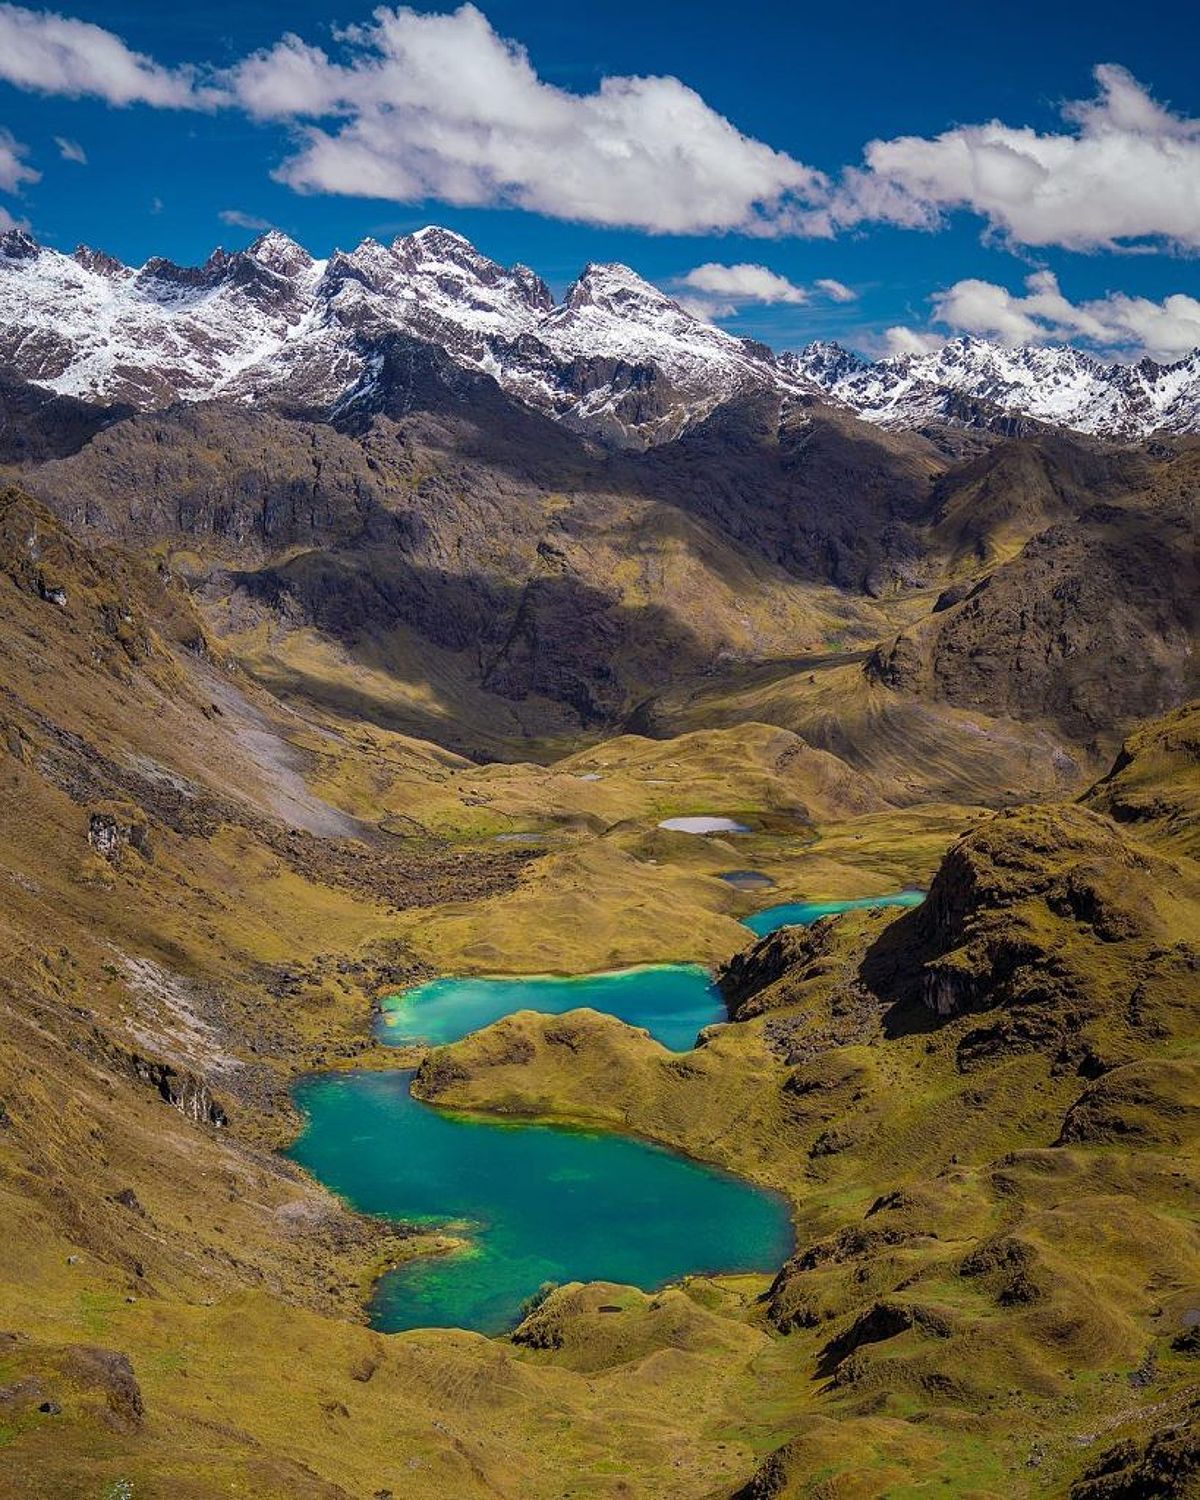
[
  {"x": 746, "y": 880},
  {"x": 805, "y": 913},
  {"x": 541, "y": 1203},
  {"x": 704, "y": 825},
  {"x": 673, "y": 1001}
]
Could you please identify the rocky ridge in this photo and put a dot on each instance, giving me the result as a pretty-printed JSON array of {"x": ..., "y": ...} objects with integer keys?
[
  {"x": 617, "y": 359},
  {"x": 976, "y": 382}
]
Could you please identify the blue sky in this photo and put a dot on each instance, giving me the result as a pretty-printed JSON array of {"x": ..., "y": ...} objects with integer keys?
[{"x": 1080, "y": 226}]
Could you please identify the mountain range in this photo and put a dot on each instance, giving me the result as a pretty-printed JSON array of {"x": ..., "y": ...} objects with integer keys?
[
  {"x": 381, "y": 618},
  {"x": 617, "y": 359}
]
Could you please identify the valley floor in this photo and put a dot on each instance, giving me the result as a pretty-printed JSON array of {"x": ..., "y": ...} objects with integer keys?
[{"x": 982, "y": 1111}]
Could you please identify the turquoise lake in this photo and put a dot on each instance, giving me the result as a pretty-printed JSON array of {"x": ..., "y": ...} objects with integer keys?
[
  {"x": 805, "y": 913},
  {"x": 673, "y": 1001},
  {"x": 539, "y": 1203}
]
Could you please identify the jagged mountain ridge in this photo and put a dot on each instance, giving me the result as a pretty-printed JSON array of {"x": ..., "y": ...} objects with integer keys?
[
  {"x": 616, "y": 359},
  {"x": 1054, "y": 384}
]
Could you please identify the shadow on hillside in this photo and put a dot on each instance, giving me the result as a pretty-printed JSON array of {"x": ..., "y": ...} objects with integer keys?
[
  {"x": 553, "y": 636},
  {"x": 892, "y": 970}
]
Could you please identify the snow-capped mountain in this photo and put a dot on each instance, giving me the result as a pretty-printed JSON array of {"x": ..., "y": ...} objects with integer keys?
[
  {"x": 617, "y": 358},
  {"x": 1050, "y": 383}
]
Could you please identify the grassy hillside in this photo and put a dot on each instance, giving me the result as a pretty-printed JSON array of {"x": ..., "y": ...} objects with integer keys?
[
  {"x": 986, "y": 1112},
  {"x": 207, "y": 887}
]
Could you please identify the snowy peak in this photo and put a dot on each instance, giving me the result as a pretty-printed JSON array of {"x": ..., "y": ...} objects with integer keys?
[
  {"x": 435, "y": 281},
  {"x": 825, "y": 362},
  {"x": 280, "y": 253},
  {"x": 616, "y": 288},
  {"x": 1050, "y": 383},
  {"x": 15, "y": 244},
  {"x": 100, "y": 262},
  {"x": 617, "y": 359}
]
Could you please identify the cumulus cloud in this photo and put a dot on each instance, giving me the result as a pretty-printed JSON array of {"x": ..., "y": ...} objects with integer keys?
[
  {"x": 717, "y": 291},
  {"x": 412, "y": 106},
  {"x": 415, "y": 106},
  {"x": 1116, "y": 323},
  {"x": 1126, "y": 173},
  {"x": 70, "y": 150},
  {"x": 239, "y": 220},
  {"x": 14, "y": 169},
  {"x": 56, "y": 54},
  {"x": 743, "y": 283},
  {"x": 422, "y": 106}
]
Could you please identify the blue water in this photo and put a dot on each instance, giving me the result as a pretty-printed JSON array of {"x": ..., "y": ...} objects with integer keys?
[
  {"x": 805, "y": 913},
  {"x": 539, "y": 1203},
  {"x": 673, "y": 1001}
]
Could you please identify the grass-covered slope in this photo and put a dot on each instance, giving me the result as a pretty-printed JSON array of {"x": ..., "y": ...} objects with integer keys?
[
  {"x": 987, "y": 1114},
  {"x": 984, "y": 1111},
  {"x": 203, "y": 892}
]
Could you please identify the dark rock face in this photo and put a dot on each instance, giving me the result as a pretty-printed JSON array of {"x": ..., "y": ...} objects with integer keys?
[
  {"x": 1088, "y": 626},
  {"x": 110, "y": 1374},
  {"x": 181, "y": 1089},
  {"x": 1015, "y": 490},
  {"x": 1067, "y": 857},
  {"x": 36, "y": 425},
  {"x": 811, "y": 489},
  {"x": 977, "y": 945},
  {"x": 782, "y": 952},
  {"x": 110, "y": 833},
  {"x": 1164, "y": 1466}
]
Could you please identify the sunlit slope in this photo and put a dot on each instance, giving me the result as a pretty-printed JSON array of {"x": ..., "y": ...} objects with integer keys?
[{"x": 957, "y": 1100}]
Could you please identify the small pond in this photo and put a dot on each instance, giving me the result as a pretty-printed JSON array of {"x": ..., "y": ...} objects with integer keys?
[
  {"x": 746, "y": 880},
  {"x": 805, "y": 913},
  {"x": 673, "y": 1001}
]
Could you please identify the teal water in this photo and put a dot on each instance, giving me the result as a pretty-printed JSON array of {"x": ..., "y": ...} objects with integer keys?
[
  {"x": 673, "y": 1001},
  {"x": 805, "y": 913},
  {"x": 541, "y": 1203}
]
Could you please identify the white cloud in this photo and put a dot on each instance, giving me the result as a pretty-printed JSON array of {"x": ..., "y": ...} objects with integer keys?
[
  {"x": 900, "y": 340},
  {"x": 1127, "y": 173},
  {"x": 1116, "y": 323},
  {"x": 7, "y": 221},
  {"x": 240, "y": 220},
  {"x": 14, "y": 169},
  {"x": 743, "y": 283},
  {"x": 413, "y": 106},
  {"x": 56, "y": 54},
  {"x": 836, "y": 291},
  {"x": 70, "y": 150},
  {"x": 441, "y": 106},
  {"x": 714, "y": 291}
]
